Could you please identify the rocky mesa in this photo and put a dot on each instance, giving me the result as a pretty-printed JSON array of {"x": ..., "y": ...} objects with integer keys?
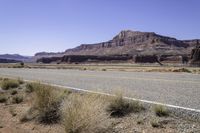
[{"x": 133, "y": 43}]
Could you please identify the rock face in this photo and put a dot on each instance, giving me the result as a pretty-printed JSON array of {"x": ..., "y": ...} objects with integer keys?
[
  {"x": 85, "y": 58},
  {"x": 195, "y": 55},
  {"x": 147, "y": 59},
  {"x": 132, "y": 43}
]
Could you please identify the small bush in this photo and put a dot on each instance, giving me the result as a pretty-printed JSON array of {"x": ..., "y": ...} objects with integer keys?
[
  {"x": 83, "y": 114},
  {"x": 13, "y": 92},
  {"x": 30, "y": 87},
  {"x": 182, "y": 70},
  {"x": 20, "y": 81},
  {"x": 161, "y": 111},
  {"x": 10, "y": 83},
  {"x": 3, "y": 98},
  {"x": 120, "y": 107},
  {"x": 156, "y": 124},
  {"x": 17, "y": 99},
  {"x": 47, "y": 102}
]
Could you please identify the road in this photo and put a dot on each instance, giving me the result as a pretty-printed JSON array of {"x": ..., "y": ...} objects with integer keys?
[{"x": 179, "y": 89}]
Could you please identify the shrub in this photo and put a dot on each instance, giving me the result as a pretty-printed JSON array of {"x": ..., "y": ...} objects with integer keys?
[
  {"x": 20, "y": 81},
  {"x": 47, "y": 102},
  {"x": 13, "y": 92},
  {"x": 120, "y": 107},
  {"x": 182, "y": 70},
  {"x": 161, "y": 111},
  {"x": 83, "y": 114},
  {"x": 17, "y": 99},
  {"x": 30, "y": 87},
  {"x": 9, "y": 83},
  {"x": 3, "y": 98},
  {"x": 156, "y": 124}
]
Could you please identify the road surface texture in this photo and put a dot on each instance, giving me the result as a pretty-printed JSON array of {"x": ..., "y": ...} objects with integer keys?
[{"x": 180, "y": 89}]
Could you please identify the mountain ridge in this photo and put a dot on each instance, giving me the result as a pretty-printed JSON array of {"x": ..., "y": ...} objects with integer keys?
[{"x": 133, "y": 43}]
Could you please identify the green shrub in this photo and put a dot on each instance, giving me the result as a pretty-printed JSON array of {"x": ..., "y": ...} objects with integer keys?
[
  {"x": 9, "y": 83},
  {"x": 161, "y": 111},
  {"x": 17, "y": 99},
  {"x": 120, "y": 107}
]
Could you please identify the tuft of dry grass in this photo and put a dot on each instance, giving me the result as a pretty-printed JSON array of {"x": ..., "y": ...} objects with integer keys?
[
  {"x": 20, "y": 81},
  {"x": 47, "y": 102},
  {"x": 30, "y": 87},
  {"x": 13, "y": 92},
  {"x": 182, "y": 70},
  {"x": 161, "y": 111},
  {"x": 84, "y": 114},
  {"x": 9, "y": 83},
  {"x": 17, "y": 99},
  {"x": 3, "y": 98},
  {"x": 119, "y": 106}
]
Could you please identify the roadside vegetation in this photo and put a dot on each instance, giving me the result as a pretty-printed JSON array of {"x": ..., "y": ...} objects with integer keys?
[
  {"x": 119, "y": 106},
  {"x": 52, "y": 109}
]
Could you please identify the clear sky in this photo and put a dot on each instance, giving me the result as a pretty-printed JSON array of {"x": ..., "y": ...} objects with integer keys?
[{"x": 30, "y": 26}]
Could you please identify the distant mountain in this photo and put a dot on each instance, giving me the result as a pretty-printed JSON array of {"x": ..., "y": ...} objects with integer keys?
[
  {"x": 131, "y": 43},
  {"x": 135, "y": 42},
  {"x": 16, "y": 57}
]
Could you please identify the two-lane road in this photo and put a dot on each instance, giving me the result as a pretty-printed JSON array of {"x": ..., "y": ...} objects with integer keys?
[{"x": 181, "y": 89}]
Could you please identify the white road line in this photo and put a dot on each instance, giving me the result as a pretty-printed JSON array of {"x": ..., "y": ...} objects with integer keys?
[{"x": 107, "y": 94}]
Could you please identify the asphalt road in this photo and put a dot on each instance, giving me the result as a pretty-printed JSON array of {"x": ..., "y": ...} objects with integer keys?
[{"x": 180, "y": 89}]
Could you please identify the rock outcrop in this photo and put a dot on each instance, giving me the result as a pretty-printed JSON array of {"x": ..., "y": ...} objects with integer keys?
[
  {"x": 85, "y": 59},
  {"x": 195, "y": 55},
  {"x": 132, "y": 43}
]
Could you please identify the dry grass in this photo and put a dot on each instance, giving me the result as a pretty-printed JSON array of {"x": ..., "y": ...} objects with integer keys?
[
  {"x": 84, "y": 114},
  {"x": 9, "y": 83},
  {"x": 161, "y": 111},
  {"x": 47, "y": 102},
  {"x": 31, "y": 86},
  {"x": 17, "y": 99},
  {"x": 120, "y": 106},
  {"x": 3, "y": 98},
  {"x": 182, "y": 70}
]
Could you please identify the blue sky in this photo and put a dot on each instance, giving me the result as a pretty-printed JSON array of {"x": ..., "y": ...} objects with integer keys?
[{"x": 29, "y": 26}]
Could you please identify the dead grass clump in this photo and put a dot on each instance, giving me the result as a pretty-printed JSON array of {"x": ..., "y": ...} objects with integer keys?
[
  {"x": 47, "y": 102},
  {"x": 3, "y": 98},
  {"x": 9, "y": 83},
  {"x": 30, "y": 87},
  {"x": 182, "y": 70},
  {"x": 120, "y": 107},
  {"x": 17, "y": 99},
  {"x": 83, "y": 114},
  {"x": 156, "y": 124},
  {"x": 20, "y": 81},
  {"x": 13, "y": 92},
  {"x": 161, "y": 111}
]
